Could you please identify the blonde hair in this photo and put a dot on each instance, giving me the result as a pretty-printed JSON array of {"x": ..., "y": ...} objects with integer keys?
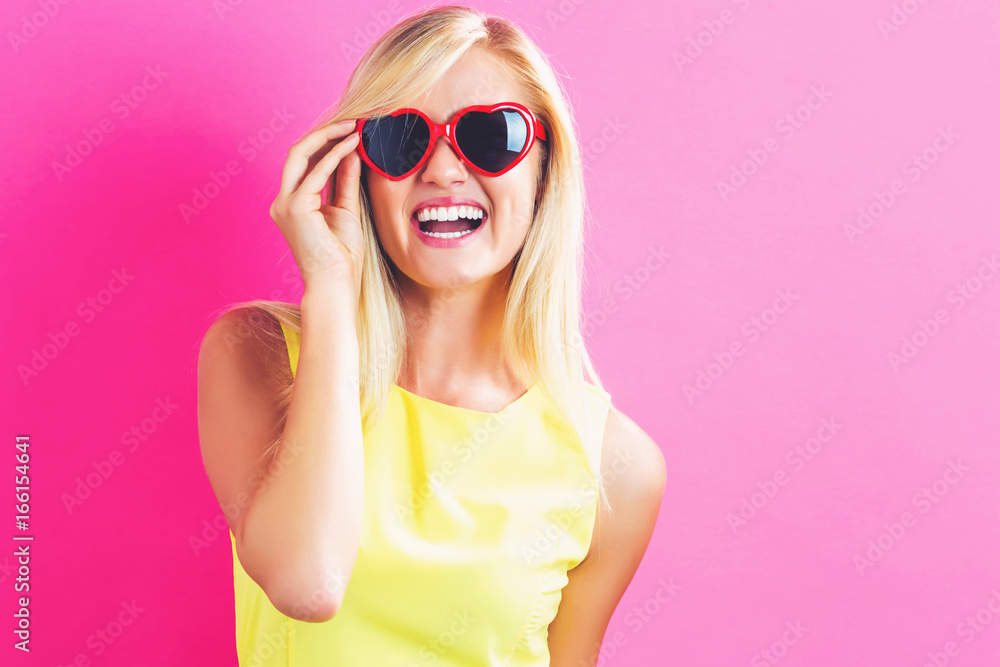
[{"x": 541, "y": 331}]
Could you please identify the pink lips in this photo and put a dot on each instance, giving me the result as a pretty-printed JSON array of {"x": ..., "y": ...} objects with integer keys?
[
  {"x": 436, "y": 242},
  {"x": 447, "y": 201}
]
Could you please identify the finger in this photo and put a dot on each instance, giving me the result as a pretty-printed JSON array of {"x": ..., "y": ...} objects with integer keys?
[
  {"x": 348, "y": 184},
  {"x": 302, "y": 152},
  {"x": 320, "y": 174},
  {"x": 308, "y": 151}
]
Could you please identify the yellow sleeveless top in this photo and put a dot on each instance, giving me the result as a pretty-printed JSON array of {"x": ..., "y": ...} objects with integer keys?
[{"x": 471, "y": 521}]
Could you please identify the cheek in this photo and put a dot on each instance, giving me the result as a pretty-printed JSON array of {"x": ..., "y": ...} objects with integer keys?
[
  {"x": 519, "y": 206},
  {"x": 385, "y": 201}
]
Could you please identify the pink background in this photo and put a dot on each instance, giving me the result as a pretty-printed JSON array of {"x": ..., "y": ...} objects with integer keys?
[{"x": 660, "y": 138}]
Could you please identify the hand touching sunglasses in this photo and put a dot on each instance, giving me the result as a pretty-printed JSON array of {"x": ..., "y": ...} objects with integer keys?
[{"x": 491, "y": 139}]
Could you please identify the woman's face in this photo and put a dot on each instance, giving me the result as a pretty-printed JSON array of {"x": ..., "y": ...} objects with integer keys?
[{"x": 508, "y": 200}]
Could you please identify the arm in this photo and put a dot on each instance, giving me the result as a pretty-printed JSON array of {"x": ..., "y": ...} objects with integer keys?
[
  {"x": 302, "y": 527},
  {"x": 597, "y": 584}
]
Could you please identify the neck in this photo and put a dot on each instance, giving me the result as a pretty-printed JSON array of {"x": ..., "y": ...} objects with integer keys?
[{"x": 454, "y": 336}]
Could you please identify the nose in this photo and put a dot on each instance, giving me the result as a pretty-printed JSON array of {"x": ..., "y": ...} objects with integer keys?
[{"x": 444, "y": 167}]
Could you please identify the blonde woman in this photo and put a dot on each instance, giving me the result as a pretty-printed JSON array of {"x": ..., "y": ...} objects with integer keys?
[{"x": 414, "y": 468}]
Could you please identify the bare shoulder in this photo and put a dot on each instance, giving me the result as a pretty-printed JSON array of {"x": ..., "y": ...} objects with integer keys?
[
  {"x": 632, "y": 465},
  {"x": 634, "y": 472},
  {"x": 234, "y": 328},
  {"x": 238, "y": 404},
  {"x": 236, "y": 337}
]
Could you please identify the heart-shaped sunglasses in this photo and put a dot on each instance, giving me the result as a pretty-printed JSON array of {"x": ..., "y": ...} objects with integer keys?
[{"x": 491, "y": 139}]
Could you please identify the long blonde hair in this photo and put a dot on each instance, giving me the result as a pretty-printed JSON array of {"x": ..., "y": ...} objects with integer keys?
[{"x": 541, "y": 331}]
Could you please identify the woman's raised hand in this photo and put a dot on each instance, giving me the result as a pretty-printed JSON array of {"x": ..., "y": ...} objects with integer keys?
[{"x": 325, "y": 240}]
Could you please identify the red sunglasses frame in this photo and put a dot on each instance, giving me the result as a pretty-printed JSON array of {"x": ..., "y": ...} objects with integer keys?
[{"x": 437, "y": 130}]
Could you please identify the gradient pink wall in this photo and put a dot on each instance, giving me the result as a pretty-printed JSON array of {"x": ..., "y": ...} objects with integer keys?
[{"x": 823, "y": 383}]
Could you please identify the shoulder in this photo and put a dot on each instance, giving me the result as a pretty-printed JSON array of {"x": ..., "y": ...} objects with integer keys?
[
  {"x": 632, "y": 463},
  {"x": 634, "y": 472},
  {"x": 243, "y": 339}
]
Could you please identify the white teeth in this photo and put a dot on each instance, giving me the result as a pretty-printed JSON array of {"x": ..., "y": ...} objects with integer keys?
[
  {"x": 447, "y": 235},
  {"x": 449, "y": 213}
]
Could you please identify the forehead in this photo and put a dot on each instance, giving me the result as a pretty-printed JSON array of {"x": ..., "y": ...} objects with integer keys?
[{"x": 475, "y": 78}]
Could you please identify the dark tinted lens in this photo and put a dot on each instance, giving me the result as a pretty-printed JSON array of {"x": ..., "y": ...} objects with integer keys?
[
  {"x": 491, "y": 141},
  {"x": 395, "y": 143}
]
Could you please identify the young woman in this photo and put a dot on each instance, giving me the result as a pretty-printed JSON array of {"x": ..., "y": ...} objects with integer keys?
[{"x": 414, "y": 468}]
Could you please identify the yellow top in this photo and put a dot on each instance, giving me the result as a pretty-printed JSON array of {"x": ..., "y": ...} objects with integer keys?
[{"x": 471, "y": 521}]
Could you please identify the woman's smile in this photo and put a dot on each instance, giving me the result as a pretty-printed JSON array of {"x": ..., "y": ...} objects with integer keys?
[
  {"x": 448, "y": 222},
  {"x": 447, "y": 239}
]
